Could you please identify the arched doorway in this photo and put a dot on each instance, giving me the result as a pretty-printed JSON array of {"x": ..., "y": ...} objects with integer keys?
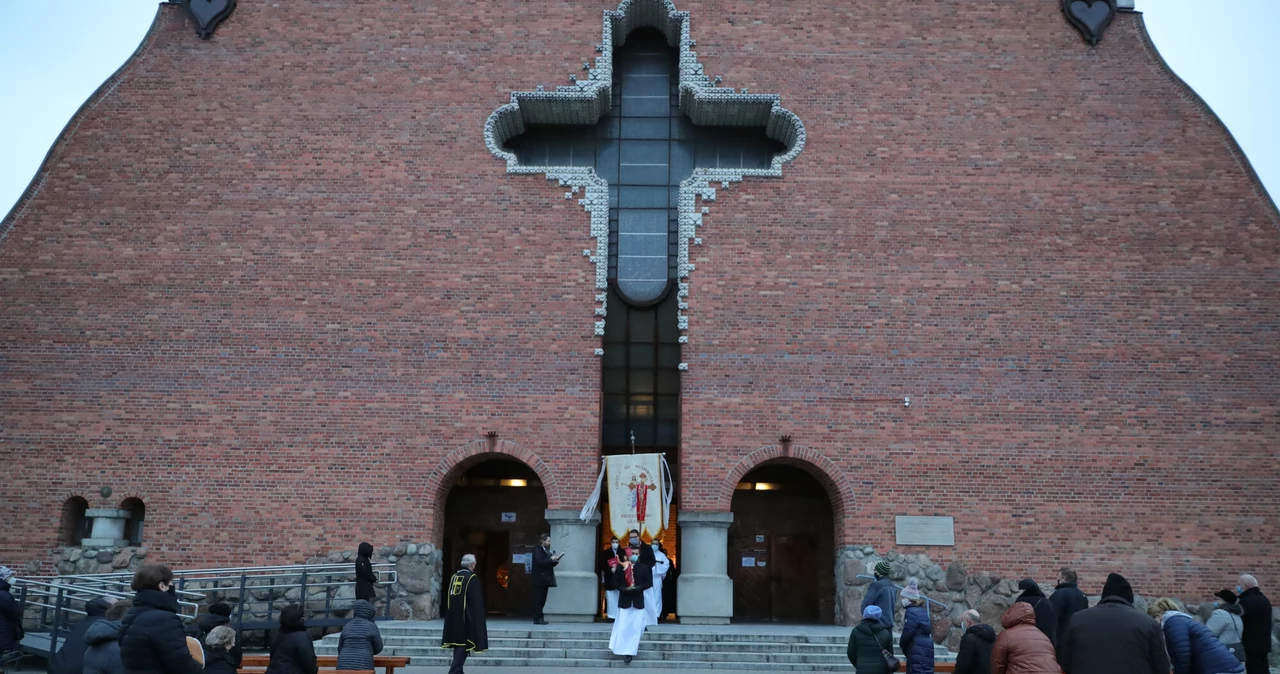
[
  {"x": 495, "y": 510},
  {"x": 781, "y": 547}
]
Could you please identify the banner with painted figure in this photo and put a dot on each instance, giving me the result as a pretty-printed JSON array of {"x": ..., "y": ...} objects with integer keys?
[{"x": 640, "y": 491}]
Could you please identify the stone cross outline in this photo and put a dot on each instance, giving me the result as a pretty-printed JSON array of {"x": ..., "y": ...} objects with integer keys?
[{"x": 700, "y": 100}]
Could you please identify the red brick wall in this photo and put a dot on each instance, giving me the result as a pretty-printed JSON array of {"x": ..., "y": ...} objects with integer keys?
[{"x": 274, "y": 284}]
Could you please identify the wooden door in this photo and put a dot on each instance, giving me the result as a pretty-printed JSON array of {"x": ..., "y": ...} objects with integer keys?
[{"x": 793, "y": 584}]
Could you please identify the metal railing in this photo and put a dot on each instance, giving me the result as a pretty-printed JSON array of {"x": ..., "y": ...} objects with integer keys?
[
  {"x": 56, "y": 603},
  {"x": 922, "y": 595},
  {"x": 256, "y": 591}
]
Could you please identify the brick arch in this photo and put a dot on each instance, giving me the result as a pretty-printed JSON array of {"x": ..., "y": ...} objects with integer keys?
[
  {"x": 457, "y": 462},
  {"x": 833, "y": 479}
]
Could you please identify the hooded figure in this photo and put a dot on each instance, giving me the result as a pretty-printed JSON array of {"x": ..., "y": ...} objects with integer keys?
[
  {"x": 70, "y": 656},
  {"x": 1113, "y": 637},
  {"x": 1046, "y": 616},
  {"x": 360, "y": 639},
  {"x": 10, "y": 614},
  {"x": 1022, "y": 648},
  {"x": 102, "y": 648},
  {"x": 868, "y": 641},
  {"x": 365, "y": 577}
]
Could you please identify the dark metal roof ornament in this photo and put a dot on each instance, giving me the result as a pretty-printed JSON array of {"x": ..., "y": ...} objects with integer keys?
[
  {"x": 208, "y": 14},
  {"x": 1090, "y": 17}
]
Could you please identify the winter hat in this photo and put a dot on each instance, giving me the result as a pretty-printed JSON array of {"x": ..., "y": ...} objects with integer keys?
[
  {"x": 1117, "y": 586},
  {"x": 1226, "y": 596},
  {"x": 872, "y": 612},
  {"x": 912, "y": 591},
  {"x": 1029, "y": 588},
  {"x": 6, "y": 573},
  {"x": 883, "y": 568}
]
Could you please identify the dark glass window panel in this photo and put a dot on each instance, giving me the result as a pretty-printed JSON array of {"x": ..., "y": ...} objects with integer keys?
[
  {"x": 614, "y": 357},
  {"x": 651, "y": 221},
  {"x": 642, "y": 324},
  {"x": 615, "y": 381},
  {"x": 645, "y": 106},
  {"x": 669, "y": 356},
  {"x": 669, "y": 382},
  {"x": 615, "y": 407},
  {"x": 647, "y": 84},
  {"x": 632, "y": 174},
  {"x": 641, "y": 291},
  {"x": 642, "y": 269},
  {"x": 644, "y": 433},
  {"x": 645, "y": 127},
  {"x": 642, "y": 355},
  {"x": 615, "y": 433},
  {"x": 668, "y": 325},
  {"x": 645, "y": 152},
  {"x": 640, "y": 381},
  {"x": 667, "y": 407},
  {"x": 668, "y": 434},
  {"x": 640, "y": 243}
]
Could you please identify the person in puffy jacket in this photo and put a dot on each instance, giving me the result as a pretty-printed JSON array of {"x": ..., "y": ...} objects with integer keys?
[
  {"x": 70, "y": 656},
  {"x": 974, "y": 656},
  {"x": 1022, "y": 648},
  {"x": 219, "y": 657},
  {"x": 102, "y": 641},
  {"x": 1192, "y": 647},
  {"x": 292, "y": 652},
  {"x": 917, "y": 631},
  {"x": 360, "y": 639},
  {"x": 1046, "y": 615},
  {"x": 152, "y": 639},
  {"x": 10, "y": 613},
  {"x": 867, "y": 643}
]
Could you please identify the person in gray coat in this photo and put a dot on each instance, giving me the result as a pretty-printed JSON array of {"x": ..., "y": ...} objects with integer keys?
[
  {"x": 360, "y": 639},
  {"x": 102, "y": 641},
  {"x": 882, "y": 593}
]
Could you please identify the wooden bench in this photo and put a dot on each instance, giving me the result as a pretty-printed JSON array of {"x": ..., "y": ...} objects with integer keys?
[{"x": 257, "y": 664}]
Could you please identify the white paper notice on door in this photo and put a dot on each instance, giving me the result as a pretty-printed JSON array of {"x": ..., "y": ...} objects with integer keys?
[{"x": 748, "y": 562}]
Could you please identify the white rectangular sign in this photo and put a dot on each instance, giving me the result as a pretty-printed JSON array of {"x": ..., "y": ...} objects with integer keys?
[{"x": 926, "y": 530}]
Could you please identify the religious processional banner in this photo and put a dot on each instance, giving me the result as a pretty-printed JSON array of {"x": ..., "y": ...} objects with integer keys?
[{"x": 640, "y": 492}]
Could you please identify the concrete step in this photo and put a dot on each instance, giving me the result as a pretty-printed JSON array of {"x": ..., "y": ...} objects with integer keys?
[
  {"x": 702, "y": 637},
  {"x": 664, "y": 645}
]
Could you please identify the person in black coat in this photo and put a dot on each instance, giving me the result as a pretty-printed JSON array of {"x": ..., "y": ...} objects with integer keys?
[
  {"x": 366, "y": 579},
  {"x": 1046, "y": 617},
  {"x": 668, "y": 586},
  {"x": 1257, "y": 625},
  {"x": 10, "y": 614},
  {"x": 1113, "y": 637},
  {"x": 102, "y": 641},
  {"x": 292, "y": 652},
  {"x": 465, "y": 629},
  {"x": 152, "y": 639},
  {"x": 1067, "y": 599},
  {"x": 543, "y": 576},
  {"x": 607, "y": 561},
  {"x": 979, "y": 639},
  {"x": 221, "y": 654},
  {"x": 70, "y": 656},
  {"x": 868, "y": 641}
]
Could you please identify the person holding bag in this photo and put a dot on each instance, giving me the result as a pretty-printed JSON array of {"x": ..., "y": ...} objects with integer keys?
[
  {"x": 871, "y": 645},
  {"x": 1226, "y": 624}
]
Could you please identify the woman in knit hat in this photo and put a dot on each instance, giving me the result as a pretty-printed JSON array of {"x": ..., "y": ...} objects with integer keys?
[
  {"x": 917, "y": 631},
  {"x": 882, "y": 593},
  {"x": 867, "y": 643}
]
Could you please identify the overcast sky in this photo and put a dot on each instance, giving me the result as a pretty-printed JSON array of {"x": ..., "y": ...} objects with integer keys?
[{"x": 52, "y": 59}]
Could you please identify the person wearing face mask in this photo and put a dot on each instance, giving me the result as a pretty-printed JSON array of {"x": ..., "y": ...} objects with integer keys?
[
  {"x": 653, "y": 595},
  {"x": 544, "y": 576},
  {"x": 152, "y": 640},
  {"x": 610, "y": 558},
  {"x": 632, "y": 577},
  {"x": 1256, "y": 614},
  {"x": 1226, "y": 625},
  {"x": 975, "y": 646}
]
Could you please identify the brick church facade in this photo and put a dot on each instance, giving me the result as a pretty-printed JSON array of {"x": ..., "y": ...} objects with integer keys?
[{"x": 285, "y": 287}]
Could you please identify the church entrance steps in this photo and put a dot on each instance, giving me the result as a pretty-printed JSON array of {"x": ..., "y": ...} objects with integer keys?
[{"x": 729, "y": 647}]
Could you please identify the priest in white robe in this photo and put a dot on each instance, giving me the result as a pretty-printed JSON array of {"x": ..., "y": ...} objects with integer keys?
[
  {"x": 653, "y": 595},
  {"x": 632, "y": 578}
]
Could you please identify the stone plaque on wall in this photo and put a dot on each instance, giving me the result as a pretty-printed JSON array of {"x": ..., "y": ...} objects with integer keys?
[{"x": 926, "y": 530}]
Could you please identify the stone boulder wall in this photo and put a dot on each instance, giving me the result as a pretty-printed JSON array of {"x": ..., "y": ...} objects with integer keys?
[
  {"x": 88, "y": 560},
  {"x": 957, "y": 587}
]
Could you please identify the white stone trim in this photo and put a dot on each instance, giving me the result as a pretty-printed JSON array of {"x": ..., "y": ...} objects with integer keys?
[{"x": 701, "y": 99}]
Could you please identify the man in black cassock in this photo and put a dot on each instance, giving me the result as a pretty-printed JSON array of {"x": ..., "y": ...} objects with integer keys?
[{"x": 464, "y": 626}]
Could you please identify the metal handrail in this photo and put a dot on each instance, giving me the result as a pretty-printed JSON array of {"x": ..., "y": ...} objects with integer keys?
[
  {"x": 922, "y": 595},
  {"x": 287, "y": 570}
]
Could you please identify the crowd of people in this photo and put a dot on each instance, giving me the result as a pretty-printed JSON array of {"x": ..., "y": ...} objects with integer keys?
[
  {"x": 146, "y": 635},
  {"x": 1060, "y": 634}
]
